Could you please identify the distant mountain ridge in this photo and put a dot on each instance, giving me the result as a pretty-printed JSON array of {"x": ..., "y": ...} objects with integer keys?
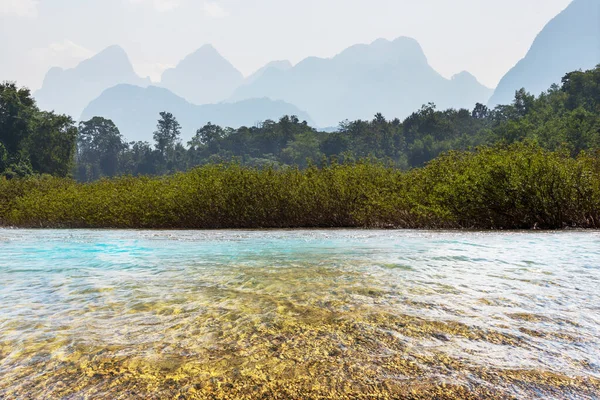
[
  {"x": 69, "y": 91},
  {"x": 280, "y": 65},
  {"x": 569, "y": 42},
  {"x": 203, "y": 77},
  {"x": 135, "y": 111},
  {"x": 391, "y": 77}
]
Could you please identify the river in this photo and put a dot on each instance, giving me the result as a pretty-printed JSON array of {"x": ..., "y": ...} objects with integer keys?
[{"x": 299, "y": 314}]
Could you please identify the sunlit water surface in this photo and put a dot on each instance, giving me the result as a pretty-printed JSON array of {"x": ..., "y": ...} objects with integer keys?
[{"x": 299, "y": 314}]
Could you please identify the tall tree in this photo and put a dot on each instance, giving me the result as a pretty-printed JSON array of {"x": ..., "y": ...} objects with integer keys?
[
  {"x": 100, "y": 145},
  {"x": 3, "y": 158},
  {"x": 167, "y": 133},
  {"x": 17, "y": 109},
  {"x": 52, "y": 144}
]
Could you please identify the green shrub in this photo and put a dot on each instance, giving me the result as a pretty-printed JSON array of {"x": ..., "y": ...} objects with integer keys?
[{"x": 520, "y": 186}]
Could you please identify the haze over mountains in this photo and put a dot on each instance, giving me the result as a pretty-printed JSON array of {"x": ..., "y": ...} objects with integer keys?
[
  {"x": 69, "y": 91},
  {"x": 135, "y": 110},
  {"x": 203, "y": 77},
  {"x": 569, "y": 42},
  {"x": 280, "y": 65},
  {"x": 390, "y": 77}
]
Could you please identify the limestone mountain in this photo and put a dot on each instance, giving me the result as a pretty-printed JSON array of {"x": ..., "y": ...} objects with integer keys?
[
  {"x": 69, "y": 91},
  {"x": 569, "y": 42},
  {"x": 203, "y": 77},
  {"x": 391, "y": 77},
  {"x": 135, "y": 111},
  {"x": 280, "y": 65}
]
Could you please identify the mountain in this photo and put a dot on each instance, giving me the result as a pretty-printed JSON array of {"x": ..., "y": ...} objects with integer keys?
[
  {"x": 465, "y": 91},
  {"x": 69, "y": 91},
  {"x": 282, "y": 65},
  {"x": 391, "y": 77},
  {"x": 203, "y": 77},
  {"x": 569, "y": 42},
  {"x": 135, "y": 111}
]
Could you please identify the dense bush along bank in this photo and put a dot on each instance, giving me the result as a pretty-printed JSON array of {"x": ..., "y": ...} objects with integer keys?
[{"x": 520, "y": 186}]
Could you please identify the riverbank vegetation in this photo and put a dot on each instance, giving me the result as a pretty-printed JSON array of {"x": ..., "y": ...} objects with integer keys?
[
  {"x": 520, "y": 186},
  {"x": 532, "y": 164}
]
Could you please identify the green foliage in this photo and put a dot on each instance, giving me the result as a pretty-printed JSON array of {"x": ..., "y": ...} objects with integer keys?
[
  {"x": 167, "y": 132},
  {"x": 302, "y": 150},
  {"x": 503, "y": 187},
  {"x": 33, "y": 141},
  {"x": 17, "y": 109},
  {"x": 517, "y": 187},
  {"x": 583, "y": 90},
  {"x": 4, "y": 157},
  {"x": 100, "y": 146},
  {"x": 58, "y": 135},
  {"x": 18, "y": 169}
]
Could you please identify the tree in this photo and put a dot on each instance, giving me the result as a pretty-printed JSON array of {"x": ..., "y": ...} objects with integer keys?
[
  {"x": 523, "y": 102},
  {"x": 303, "y": 149},
  {"x": 33, "y": 140},
  {"x": 52, "y": 144},
  {"x": 583, "y": 89},
  {"x": 208, "y": 135},
  {"x": 100, "y": 145},
  {"x": 140, "y": 159},
  {"x": 17, "y": 109},
  {"x": 480, "y": 111},
  {"x": 335, "y": 143},
  {"x": 167, "y": 133},
  {"x": 3, "y": 158}
]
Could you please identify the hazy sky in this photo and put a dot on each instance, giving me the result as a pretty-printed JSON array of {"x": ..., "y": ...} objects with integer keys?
[{"x": 484, "y": 37}]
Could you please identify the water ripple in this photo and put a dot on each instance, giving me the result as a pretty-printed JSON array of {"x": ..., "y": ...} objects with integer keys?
[{"x": 299, "y": 314}]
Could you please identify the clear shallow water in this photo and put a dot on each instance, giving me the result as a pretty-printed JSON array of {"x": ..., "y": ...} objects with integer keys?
[{"x": 299, "y": 314}]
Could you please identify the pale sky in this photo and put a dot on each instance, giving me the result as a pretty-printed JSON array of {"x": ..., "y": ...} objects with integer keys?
[{"x": 484, "y": 37}]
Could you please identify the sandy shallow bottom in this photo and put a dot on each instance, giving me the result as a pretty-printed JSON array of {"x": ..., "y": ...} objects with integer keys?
[{"x": 299, "y": 315}]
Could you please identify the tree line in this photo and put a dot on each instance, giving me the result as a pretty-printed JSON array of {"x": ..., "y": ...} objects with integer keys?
[{"x": 566, "y": 118}]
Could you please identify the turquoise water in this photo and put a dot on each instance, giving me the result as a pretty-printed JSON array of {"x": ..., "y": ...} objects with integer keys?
[{"x": 299, "y": 314}]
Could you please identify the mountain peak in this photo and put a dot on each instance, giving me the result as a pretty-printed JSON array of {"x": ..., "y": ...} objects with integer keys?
[
  {"x": 208, "y": 47},
  {"x": 112, "y": 61},
  {"x": 277, "y": 66},
  {"x": 402, "y": 50},
  {"x": 463, "y": 75},
  {"x": 204, "y": 52},
  {"x": 570, "y": 41},
  {"x": 393, "y": 75},
  {"x": 410, "y": 46},
  {"x": 113, "y": 55},
  {"x": 407, "y": 41},
  {"x": 114, "y": 50},
  {"x": 70, "y": 90},
  {"x": 203, "y": 76},
  {"x": 465, "y": 79}
]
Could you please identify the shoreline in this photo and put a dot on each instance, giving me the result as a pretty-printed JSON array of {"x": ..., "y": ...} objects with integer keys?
[{"x": 303, "y": 229}]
